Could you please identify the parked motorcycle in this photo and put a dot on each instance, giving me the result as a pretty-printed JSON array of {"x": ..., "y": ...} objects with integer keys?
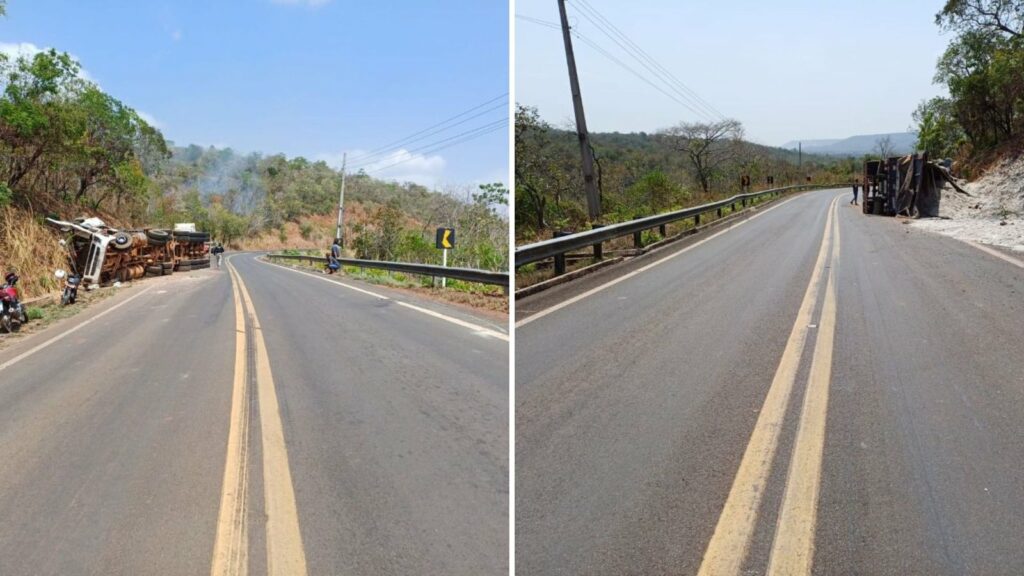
[
  {"x": 12, "y": 312},
  {"x": 71, "y": 281},
  {"x": 71, "y": 284}
]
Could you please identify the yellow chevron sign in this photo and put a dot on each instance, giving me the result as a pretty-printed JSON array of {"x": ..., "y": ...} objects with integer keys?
[{"x": 445, "y": 238}]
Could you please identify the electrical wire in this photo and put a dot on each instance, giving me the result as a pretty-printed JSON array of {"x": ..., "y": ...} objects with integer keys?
[
  {"x": 645, "y": 59},
  {"x": 616, "y": 60},
  {"x": 467, "y": 136},
  {"x": 436, "y": 128},
  {"x": 435, "y": 143}
]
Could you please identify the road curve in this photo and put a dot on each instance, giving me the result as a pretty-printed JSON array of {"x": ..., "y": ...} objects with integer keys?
[
  {"x": 896, "y": 446},
  {"x": 394, "y": 422}
]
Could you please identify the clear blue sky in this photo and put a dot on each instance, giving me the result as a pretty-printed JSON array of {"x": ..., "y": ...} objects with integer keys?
[
  {"x": 788, "y": 69},
  {"x": 303, "y": 77}
]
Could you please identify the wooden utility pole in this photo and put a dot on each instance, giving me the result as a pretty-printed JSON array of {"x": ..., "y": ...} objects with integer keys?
[{"x": 589, "y": 183}]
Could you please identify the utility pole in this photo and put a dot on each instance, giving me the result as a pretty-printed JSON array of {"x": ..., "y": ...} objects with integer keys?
[
  {"x": 800, "y": 155},
  {"x": 589, "y": 184},
  {"x": 339, "y": 233}
]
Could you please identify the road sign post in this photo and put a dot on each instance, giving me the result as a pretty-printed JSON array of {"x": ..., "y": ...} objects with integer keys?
[
  {"x": 444, "y": 241},
  {"x": 444, "y": 262}
]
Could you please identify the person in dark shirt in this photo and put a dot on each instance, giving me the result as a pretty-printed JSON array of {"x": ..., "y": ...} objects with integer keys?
[
  {"x": 218, "y": 251},
  {"x": 333, "y": 264}
]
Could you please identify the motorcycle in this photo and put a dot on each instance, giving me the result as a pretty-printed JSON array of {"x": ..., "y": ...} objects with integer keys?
[
  {"x": 12, "y": 312},
  {"x": 71, "y": 284},
  {"x": 71, "y": 281}
]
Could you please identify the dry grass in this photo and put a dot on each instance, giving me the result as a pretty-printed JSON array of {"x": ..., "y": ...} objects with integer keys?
[
  {"x": 319, "y": 231},
  {"x": 30, "y": 248}
]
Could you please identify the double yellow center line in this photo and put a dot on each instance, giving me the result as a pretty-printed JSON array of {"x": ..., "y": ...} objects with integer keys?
[
  {"x": 285, "y": 553},
  {"x": 793, "y": 546}
]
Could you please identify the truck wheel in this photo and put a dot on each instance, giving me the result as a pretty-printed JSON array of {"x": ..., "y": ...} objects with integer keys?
[
  {"x": 158, "y": 236},
  {"x": 122, "y": 241}
]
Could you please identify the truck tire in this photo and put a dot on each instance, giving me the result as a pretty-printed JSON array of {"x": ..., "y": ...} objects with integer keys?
[
  {"x": 154, "y": 270},
  {"x": 122, "y": 241},
  {"x": 158, "y": 237}
]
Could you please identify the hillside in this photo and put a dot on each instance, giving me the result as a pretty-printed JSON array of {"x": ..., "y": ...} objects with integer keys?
[
  {"x": 640, "y": 174},
  {"x": 901, "y": 143}
]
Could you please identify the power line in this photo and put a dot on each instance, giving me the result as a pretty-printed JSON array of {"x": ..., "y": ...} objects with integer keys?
[
  {"x": 613, "y": 58},
  {"x": 409, "y": 140},
  {"x": 469, "y": 135},
  {"x": 435, "y": 143},
  {"x": 436, "y": 127},
  {"x": 695, "y": 105},
  {"x": 553, "y": 25},
  {"x": 645, "y": 59}
]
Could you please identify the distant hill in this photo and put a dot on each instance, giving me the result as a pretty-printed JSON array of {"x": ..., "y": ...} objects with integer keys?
[{"x": 902, "y": 142}]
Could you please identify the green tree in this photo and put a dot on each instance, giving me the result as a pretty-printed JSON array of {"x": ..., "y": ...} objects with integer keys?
[
  {"x": 983, "y": 70},
  {"x": 938, "y": 132},
  {"x": 998, "y": 17}
]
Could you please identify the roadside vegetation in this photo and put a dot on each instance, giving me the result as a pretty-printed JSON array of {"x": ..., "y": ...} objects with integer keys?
[
  {"x": 640, "y": 174},
  {"x": 982, "y": 119}
]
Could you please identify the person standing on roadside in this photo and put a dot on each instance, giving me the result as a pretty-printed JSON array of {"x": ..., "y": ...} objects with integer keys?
[
  {"x": 855, "y": 190},
  {"x": 218, "y": 251}
]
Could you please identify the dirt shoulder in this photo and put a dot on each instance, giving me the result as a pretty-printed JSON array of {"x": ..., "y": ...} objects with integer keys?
[{"x": 993, "y": 214}]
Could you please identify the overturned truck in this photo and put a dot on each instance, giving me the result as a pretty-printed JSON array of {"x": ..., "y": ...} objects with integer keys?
[
  {"x": 905, "y": 186},
  {"x": 103, "y": 255}
]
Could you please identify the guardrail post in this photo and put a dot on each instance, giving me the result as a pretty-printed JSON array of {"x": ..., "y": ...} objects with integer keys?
[
  {"x": 744, "y": 202},
  {"x": 662, "y": 231},
  {"x": 598, "y": 249},
  {"x": 560, "y": 258},
  {"x": 696, "y": 220},
  {"x": 719, "y": 212}
]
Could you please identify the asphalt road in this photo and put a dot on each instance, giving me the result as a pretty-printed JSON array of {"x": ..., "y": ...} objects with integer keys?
[
  {"x": 376, "y": 430},
  {"x": 786, "y": 397}
]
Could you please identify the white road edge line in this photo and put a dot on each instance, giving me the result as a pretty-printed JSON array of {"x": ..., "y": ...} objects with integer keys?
[
  {"x": 996, "y": 253},
  {"x": 624, "y": 277},
  {"x": 476, "y": 328},
  {"x": 70, "y": 331}
]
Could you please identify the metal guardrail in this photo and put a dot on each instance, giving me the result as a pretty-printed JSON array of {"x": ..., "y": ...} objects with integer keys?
[
  {"x": 465, "y": 274},
  {"x": 560, "y": 245}
]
